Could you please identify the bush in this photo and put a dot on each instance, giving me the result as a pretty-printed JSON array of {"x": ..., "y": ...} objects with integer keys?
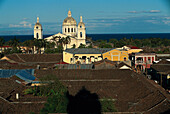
[
  {"x": 28, "y": 91},
  {"x": 107, "y": 106}
]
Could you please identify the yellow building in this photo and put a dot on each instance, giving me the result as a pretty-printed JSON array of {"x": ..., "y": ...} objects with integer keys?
[
  {"x": 83, "y": 55},
  {"x": 116, "y": 55},
  {"x": 89, "y": 55}
]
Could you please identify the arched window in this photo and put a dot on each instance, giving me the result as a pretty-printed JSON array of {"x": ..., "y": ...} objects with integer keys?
[
  {"x": 37, "y": 35},
  {"x": 124, "y": 58},
  {"x": 68, "y": 29},
  {"x": 71, "y": 29},
  {"x": 37, "y": 27},
  {"x": 65, "y": 30},
  {"x": 81, "y": 35},
  {"x": 80, "y": 26},
  {"x": 74, "y": 30}
]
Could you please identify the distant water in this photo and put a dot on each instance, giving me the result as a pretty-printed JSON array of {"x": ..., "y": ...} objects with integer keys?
[{"x": 100, "y": 36}]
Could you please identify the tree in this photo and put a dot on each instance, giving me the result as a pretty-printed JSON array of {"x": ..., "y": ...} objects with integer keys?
[
  {"x": 14, "y": 42},
  {"x": 74, "y": 46},
  {"x": 114, "y": 41},
  {"x": 57, "y": 99},
  {"x": 67, "y": 40},
  {"x": 82, "y": 46},
  {"x": 107, "y": 106},
  {"x": 2, "y": 42}
]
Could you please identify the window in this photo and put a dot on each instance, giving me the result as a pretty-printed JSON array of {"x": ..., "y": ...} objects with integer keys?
[
  {"x": 37, "y": 27},
  {"x": 74, "y": 30},
  {"x": 71, "y": 29},
  {"x": 65, "y": 30},
  {"x": 149, "y": 59},
  {"x": 37, "y": 35},
  {"x": 80, "y": 34},
  {"x": 80, "y": 26},
  {"x": 68, "y": 29},
  {"x": 124, "y": 58}
]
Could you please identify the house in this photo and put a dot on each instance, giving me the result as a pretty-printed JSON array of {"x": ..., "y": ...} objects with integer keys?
[
  {"x": 161, "y": 73},
  {"x": 141, "y": 61},
  {"x": 3, "y": 48}
]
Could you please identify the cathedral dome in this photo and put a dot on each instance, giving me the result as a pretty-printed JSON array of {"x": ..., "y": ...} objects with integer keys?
[{"x": 69, "y": 20}]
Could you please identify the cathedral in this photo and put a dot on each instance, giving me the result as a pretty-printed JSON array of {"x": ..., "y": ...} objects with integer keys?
[{"x": 77, "y": 33}]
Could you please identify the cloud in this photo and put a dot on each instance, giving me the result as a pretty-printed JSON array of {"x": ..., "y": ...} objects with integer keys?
[
  {"x": 150, "y": 11},
  {"x": 22, "y": 24},
  {"x": 152, "y": 21},
  {"x": 133, "y": 12}
]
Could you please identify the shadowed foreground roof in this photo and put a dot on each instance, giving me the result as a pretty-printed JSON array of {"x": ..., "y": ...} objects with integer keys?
[{"x": 131, "y": 91}]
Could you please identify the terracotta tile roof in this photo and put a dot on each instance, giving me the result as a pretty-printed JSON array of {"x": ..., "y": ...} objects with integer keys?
[
  {"x": 35, "y": 58},
  {"x": 105, "y": 60}
]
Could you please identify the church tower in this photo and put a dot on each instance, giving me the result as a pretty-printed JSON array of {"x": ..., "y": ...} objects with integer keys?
[
  {"x": 38, "y": 31},
  {"x": 81, "y": 32}
]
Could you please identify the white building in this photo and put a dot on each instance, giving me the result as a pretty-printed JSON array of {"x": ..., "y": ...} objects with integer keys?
[{"x": 70, "y": 28}]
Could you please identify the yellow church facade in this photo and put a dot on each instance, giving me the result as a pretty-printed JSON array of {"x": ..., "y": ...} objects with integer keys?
[{"x": 116, "y": 55}]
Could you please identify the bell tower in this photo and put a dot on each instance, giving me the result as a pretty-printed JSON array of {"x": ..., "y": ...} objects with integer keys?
[
  {"x": 38, "y": 31},
  {"x": 81, "y": 35}
]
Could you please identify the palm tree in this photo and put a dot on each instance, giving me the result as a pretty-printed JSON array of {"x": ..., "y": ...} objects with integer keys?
[
  {"x": 67, "y": 40},
  {"x": 56, "y": 39},
  {"x": 14, "y": 42},
  {"x": 2, "y": 42}
]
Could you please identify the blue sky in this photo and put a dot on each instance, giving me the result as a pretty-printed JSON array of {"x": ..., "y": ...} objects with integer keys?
[{"x": 17, "y": 17}]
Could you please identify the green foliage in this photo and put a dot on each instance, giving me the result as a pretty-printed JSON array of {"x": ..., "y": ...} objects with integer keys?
[
  {"x": 2, "y": 41},
  {"x": 105, "y": 46},
  {"x": 107, "y": 106},
  {"x": 57, "y": 100},
  {"x": 82, "y": 46},
  {"x": 52, "y": 87},
  {"x": 74, "y": 46},
  {"x": 149, "y": 42},
  {"x": 47, "y": 51},
  {"x": 12, "y": 50},
  {"x": 55, "y": 104},
  {"x": 28, "y": 91}
]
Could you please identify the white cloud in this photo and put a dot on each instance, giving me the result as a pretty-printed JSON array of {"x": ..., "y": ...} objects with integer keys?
[
  {"x": 167, "y": 22},
  {"x": 23, "y": 24},
  {"x": 150, "y": 11},
  {"x": 133, "y": 12},
  {"x": 152, "y": 21}
]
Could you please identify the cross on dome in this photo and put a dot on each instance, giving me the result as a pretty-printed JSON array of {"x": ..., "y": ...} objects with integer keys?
[
  {"x": 69, "y": 13},
  {"x": 37, "y": 19},
  {"x": 81, "y": 19}
]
